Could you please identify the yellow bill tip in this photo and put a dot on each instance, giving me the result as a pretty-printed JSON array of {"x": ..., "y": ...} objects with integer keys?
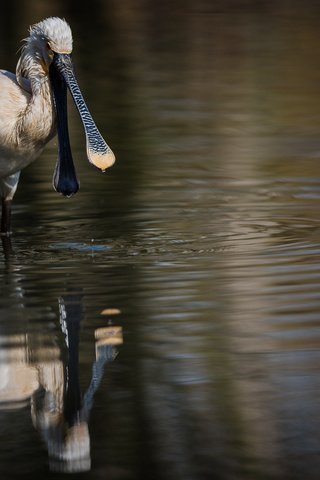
[
  {"x": 110, "y": 311},
  {"x": 102, "y": 161}
]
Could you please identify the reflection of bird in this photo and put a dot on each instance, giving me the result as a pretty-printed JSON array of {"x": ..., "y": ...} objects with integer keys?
[
  {"x": 35, "y": 368},
  {"x": 29, "y": 115}
]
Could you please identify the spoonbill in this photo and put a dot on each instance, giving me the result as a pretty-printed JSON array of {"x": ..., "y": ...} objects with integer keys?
[{"x": 33, "y": 107}]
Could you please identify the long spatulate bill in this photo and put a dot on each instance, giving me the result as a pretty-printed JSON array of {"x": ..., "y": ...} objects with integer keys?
[
  {"x": 98, "y": 152},
  {"x": 64, "y": 179}
]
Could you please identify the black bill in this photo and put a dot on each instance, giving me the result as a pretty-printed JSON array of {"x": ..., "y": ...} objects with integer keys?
[{"x": 64, "y": 178}]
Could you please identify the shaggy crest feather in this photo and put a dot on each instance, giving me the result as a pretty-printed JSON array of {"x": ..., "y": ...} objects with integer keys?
[{"x": 55, "y": 31}]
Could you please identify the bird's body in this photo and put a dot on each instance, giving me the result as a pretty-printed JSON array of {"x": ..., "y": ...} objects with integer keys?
[
  {"x": 33, "y": 103},
  {"x": 27, "y": 123}
]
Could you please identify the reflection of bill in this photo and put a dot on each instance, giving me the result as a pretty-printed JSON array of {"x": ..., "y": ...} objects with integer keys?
[
  {"x": 37, "y": 372},
  {"x": 106, "y": 338}
]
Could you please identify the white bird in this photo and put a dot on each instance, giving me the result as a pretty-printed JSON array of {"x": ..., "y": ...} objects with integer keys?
[{"x": 33, "y": 106}]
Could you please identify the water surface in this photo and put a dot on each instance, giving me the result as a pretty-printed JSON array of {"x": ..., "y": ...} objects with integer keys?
[{"x": 164, "y": 322}]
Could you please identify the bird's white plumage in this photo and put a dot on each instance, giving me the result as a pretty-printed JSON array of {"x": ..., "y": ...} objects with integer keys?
[{"x": 27, "y": 115}]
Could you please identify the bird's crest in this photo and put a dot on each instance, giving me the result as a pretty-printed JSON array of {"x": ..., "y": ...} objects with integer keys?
[{"x": 55, "y": 31}]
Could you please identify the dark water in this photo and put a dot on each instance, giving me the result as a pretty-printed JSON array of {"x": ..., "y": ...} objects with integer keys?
[{"x": 165, "y": 322}]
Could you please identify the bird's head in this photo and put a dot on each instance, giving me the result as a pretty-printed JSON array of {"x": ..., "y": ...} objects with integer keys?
[
  {"x": 49, "y": 45},
  {"x": 50, "y": 36}
]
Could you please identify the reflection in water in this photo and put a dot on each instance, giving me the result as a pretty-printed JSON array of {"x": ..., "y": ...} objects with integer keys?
[{"x": 34, "y": 369}]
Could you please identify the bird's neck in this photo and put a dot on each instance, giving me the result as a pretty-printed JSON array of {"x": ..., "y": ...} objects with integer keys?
[{"x": 39, "y": 117}]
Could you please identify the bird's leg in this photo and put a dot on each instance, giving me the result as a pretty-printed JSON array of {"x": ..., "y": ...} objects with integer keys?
[
  {"x": 6, "y": 217},
  {"x": 8, "y": 187}
]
